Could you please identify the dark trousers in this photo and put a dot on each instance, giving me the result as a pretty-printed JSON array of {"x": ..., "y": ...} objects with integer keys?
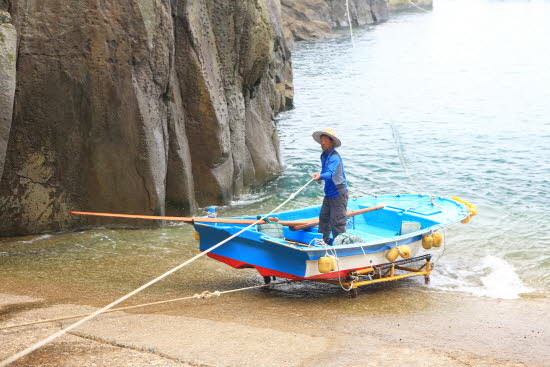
[{"x": 333, "y": 217}]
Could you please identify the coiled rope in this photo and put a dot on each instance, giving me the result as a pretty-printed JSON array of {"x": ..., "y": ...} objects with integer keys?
[{"x": 45, "y": 341}]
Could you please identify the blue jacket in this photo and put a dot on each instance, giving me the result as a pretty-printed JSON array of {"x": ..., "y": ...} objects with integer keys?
[{"x": 332, "y": 172}]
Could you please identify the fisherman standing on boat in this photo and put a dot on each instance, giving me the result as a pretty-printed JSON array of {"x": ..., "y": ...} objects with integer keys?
[{"x": 333, "y": 212}]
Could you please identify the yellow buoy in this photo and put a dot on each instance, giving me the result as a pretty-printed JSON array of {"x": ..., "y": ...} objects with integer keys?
[
  {"x": 456, "y": 198},
  {"x": 392, "y": 254},
  {"x": 405, "y": 251},
  {"x": 438, "y": 239},
  {"x": 427, "y": 241},
  {"x": 472, "y": 209},
  {"x": 326, "y": 264},
  {"x": 197, "y": 235}
]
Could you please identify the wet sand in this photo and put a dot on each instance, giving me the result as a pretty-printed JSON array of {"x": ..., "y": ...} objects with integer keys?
[
  {"x": 294, "y": 324},
  {"x": 280, "y": 327}
]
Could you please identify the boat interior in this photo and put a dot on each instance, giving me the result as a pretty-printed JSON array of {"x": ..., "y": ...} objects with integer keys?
[{"x": 373, "y": 226}]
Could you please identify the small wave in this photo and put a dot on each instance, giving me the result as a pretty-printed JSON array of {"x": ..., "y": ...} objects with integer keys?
[
  {"x": 39, "y": 238},
  {"x": 248, "y": 199},
  {"x": 499, "y": 280},
  {"x": 502, "y": 280}
]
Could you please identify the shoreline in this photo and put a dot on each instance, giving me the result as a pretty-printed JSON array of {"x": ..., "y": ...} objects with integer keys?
[{"x": 228, "y": 331}]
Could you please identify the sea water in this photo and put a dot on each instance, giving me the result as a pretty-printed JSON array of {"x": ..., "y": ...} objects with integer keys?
[{"x": 452, "y": 102}]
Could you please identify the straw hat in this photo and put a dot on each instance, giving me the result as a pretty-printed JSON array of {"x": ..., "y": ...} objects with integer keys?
[{"x": 328, "y": 132}]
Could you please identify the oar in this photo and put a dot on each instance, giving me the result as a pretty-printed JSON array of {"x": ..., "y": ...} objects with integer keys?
[
  {"x": 192, "y": 220},
  {"x": 313, "y": 222},
  {"x": 294, "y": 225}
]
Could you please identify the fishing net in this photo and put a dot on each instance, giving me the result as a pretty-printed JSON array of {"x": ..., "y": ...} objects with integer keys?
[
  {"x": 346, "y": 239},
  {"x": 272, "y": 229}
]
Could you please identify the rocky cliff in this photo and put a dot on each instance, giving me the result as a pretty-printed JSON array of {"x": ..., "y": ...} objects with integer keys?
[
  {"x": 313, "y": 19},
  {"x": 8, "y": 51},
  {"x": 140, "y": 106},
  {"x": 410, "y": 4}
]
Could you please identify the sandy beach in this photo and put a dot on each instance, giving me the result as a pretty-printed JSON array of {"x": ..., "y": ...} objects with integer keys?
[{"x": 228, "y": 331}]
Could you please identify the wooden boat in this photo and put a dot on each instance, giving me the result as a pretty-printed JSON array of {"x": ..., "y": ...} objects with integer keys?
[{"x": 385, "y": 239}]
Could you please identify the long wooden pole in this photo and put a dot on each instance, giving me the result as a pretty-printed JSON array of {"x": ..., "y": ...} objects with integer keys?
[
  {"x": 192, "y": 220},
  {"x": 294, "y": 225}
]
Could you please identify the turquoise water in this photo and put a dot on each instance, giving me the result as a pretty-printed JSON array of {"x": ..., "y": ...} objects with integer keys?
[{"x": 453, "y": 102}]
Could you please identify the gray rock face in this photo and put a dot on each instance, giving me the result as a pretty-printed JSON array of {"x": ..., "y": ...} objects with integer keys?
[
  {"x": 362, "y": 12},
  {"x": 313, "y": 19},
  {"x": 141, "y": 106},
  {"x": 8, "y": 52},
  {"x": 410, "y": 4}
]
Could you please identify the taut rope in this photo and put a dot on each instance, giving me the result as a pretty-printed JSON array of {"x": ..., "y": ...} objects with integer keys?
[
  {"x": 416, "y": 6},
  {"x": 43, "y": 342},
  {"x": 350, "y": 25},
  {"x": 203, "y": 295}
]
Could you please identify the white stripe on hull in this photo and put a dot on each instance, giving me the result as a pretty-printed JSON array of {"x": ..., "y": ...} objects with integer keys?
[{"x": 358, "y": 261}]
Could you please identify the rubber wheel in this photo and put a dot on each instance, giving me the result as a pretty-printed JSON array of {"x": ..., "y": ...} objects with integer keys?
[
  {"x": 353, "y": 293},
  {"x": 426, "y": 279},
  {"x": 267, "y": 280}
]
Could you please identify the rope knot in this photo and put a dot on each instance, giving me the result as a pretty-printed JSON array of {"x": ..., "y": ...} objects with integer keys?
[{"x": 207, "y": 294}]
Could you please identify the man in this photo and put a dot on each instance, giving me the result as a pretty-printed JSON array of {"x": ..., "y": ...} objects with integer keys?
[{"x": 333, "y": 212}]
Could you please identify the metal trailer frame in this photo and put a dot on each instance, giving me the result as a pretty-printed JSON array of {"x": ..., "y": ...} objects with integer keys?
[{"x": 382, "y": 273}]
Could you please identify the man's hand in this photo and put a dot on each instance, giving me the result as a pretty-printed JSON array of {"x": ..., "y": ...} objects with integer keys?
[{"x": 317, "y": 177}]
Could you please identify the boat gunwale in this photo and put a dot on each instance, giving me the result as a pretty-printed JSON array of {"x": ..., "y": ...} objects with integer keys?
[
  {"x": 389, "y": 240},
  {"x": 395, "y": 239}
]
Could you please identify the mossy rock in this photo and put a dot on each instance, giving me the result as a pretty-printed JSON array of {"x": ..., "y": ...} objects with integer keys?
[{"x": 5, "y": 17}]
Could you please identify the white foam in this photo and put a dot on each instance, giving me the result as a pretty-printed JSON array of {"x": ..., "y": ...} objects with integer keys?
[
  {"x": 499, "y": 280},
  {"x": 248, "y": 199},
  {"x": 502, "y": 280},
  {"x": 39, "y": 238}
]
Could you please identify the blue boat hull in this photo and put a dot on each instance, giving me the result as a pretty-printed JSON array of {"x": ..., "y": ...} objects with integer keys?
[{"x": 296, "y": 256}]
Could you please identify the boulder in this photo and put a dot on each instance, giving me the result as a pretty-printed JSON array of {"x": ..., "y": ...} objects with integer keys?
[
  {"x": 362, "y": 12},
  {"x": 314, "y": 19}
]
